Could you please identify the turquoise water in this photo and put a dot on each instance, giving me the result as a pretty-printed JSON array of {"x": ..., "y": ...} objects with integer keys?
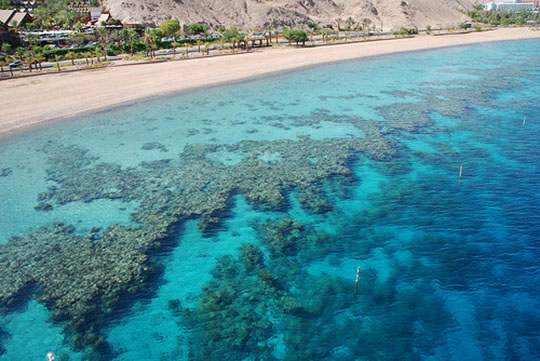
[{"x": 228, "y": 223}]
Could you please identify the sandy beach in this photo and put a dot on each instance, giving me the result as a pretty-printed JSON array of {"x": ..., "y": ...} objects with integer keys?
[{"x": 34, "y": 100}]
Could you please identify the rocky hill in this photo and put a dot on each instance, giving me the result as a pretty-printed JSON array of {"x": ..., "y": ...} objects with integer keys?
[{"x": 389, "y": 14}]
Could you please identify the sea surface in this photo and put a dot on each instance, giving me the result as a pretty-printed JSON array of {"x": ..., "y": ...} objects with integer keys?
[{"x": 386, "y": 208}]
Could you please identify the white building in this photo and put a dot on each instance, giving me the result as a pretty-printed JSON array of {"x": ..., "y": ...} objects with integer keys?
[{"x": 509, "y": 5}]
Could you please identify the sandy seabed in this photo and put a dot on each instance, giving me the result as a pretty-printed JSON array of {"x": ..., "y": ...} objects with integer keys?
[{"x": 34, "y": 100}]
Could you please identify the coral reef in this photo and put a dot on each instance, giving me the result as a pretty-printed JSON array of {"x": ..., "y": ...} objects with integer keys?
[
  {"x": 154, "y": 145},
  {"x": 4, "y": 172},
  {"x": 82, "y": 278},
  {"x": 269, "y": 307},
  {"x": 43, "y": 206},
  {"x": 220, "y": 330}
]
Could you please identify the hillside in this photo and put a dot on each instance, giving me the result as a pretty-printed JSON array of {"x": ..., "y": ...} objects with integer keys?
[{"x": 278, "y": 13}]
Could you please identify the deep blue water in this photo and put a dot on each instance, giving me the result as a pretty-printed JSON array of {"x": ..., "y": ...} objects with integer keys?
[{"x": 242, "y": 212}]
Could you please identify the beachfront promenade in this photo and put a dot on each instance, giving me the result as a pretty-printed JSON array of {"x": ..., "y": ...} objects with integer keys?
[{"x": 33, "y": 100}]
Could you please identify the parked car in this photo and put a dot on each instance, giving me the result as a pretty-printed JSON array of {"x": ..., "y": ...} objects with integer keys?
[{"x": 16, "y": 64}]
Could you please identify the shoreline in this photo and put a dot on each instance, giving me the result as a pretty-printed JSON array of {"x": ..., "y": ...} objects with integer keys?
[{"x": 40, "y": 100}]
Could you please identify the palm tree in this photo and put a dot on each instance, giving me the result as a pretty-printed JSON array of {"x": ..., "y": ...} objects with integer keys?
[
  {"x": 103, "y": 35},
  {"x": 27, "y": 58},
  {"x": 41, "y": 16},
  {"x": 31, "y": 38},
  {"x": 98, "y": 53},
  {"x": 174, "y": 44},
  {"x": 6, "y": 48},
  {"x": 117, "y": 36},
  {"x": 339, "y": 21},
  {"x": 326, "y": 34},
  {"x": 365, "y": 27},
  {"x": 205, "y": 33},
  {"x": 57, "y": 59},
  {"x": 3, "y": 63},
  {"x": 149, "y": 41},
  {"x": 312, "y": 28},
  {"x": 286, "y": 34},
  {"x": 72, "y": 56},
  {"x": 10, "y": 70},
  {"x": 20, "y": 53},
  {"x": 350, "y": 22},
  {"x": 35, "y": 62},
  {"x": 40, "y": 59},
  {"x": 187, "y": 45},
  {"x": 130, "y": 34},
  {"x": 269, "y": 29},
  {"x": 79, "y": 27}
]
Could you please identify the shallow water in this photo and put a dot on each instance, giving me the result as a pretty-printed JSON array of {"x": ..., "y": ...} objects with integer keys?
[{"x": 242, "y": 212}]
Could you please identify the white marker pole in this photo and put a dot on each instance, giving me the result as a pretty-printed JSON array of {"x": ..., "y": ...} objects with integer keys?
[
  {"x": 356, "y": 282},
  {"x": 524, "y": 120}
]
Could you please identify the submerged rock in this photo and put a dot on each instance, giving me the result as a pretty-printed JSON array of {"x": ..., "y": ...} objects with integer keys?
[{"x": 43, "y": 206}]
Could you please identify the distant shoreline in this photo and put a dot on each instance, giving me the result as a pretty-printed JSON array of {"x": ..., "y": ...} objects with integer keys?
[{"x": 39, "y": 100}]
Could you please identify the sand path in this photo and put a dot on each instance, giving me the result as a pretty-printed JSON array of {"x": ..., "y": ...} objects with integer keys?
[{"x": 34, "y": 100}]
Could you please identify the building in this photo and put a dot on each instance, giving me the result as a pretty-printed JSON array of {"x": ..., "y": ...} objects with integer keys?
[
  {"x": 50, "y": 37},
  {"x": 103, "y": 18},
  {"x": 510, "y": 5},
  {"x": 14, "y": 18},
  {"x": 26, "y": 4},
  {"x": 95, "y": 13}
]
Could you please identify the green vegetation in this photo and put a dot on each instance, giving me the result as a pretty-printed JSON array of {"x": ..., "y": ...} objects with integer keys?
[
  {"x": 131, "y": 36},
  {"x": 103, "y": 42},
  {"x": 170, "y": 27},
  {"x": 54, "y": 14},
  {"x": 403, "y": 31},
  {"x": 502, "y": 17},
  {"x": 326, "y": 33},
  {"x": 365, "y": 27},
  {"x": 234, "y": 36},
  {"x": 350, "y": 23},
  {"x": 103, "y": 38},
  {"x": 198, "y": 28},
  {"x": 5, "y": 4},
  {"x": 298, "y": 36},
  {"x": 314, "y": 27},
  {"x": 150, "y": 42},
  {"x": 338, "y": 22}
]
